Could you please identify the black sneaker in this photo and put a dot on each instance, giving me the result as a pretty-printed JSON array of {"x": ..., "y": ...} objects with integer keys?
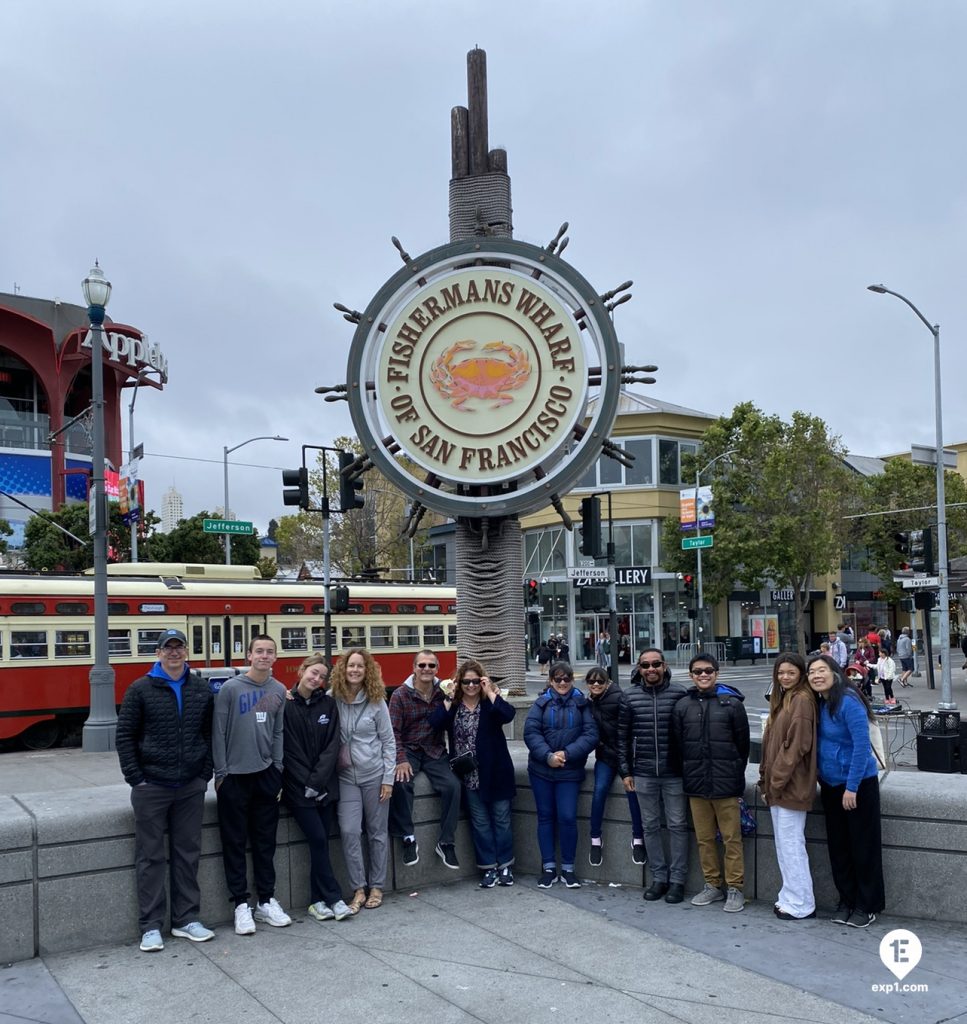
[
  {"x": 448, "y": 855},
  {"x": 594, "y": 855},
  {"x": 638, "y": 854},
  {"x": 506, "y": 877},
  {"x": 676, "y": 893},
  {"x": 842, "y": 914},
  {"x": 489, "y": 879},
  {"x": 547, "y": 879},
  {"x": 570, "y": 879},
  {"x": 861, "y": 920},
  {"x": 411, "y": 852},
  {"x": 655, "y": 891}
]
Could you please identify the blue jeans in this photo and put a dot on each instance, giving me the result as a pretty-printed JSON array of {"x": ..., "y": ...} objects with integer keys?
[
  {"x": 493, "y": 838},
  {"x": 603, "y": 778},
  {"x": 652, "y": 795},
  {"x": 557, "y": 812}
]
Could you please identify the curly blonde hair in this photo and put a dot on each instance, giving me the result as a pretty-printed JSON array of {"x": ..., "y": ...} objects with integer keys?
[{"x": 372, "y": 682}]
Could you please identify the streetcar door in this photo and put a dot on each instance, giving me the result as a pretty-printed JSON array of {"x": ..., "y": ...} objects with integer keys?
[{"x": 221, "y": 640}]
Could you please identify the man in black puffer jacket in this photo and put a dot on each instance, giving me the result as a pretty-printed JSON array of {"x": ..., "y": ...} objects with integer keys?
[
  {"x": 710, "y": 728},
  {"x": 649, "y": 769},
  {"x": 164, "y": 738}
]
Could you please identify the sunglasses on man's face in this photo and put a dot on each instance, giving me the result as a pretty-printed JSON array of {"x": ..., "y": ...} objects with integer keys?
[
  {"x": 650, "y": 664},
  {"x": 704, "y": 671},
  {"x": 426, "y": 664}
]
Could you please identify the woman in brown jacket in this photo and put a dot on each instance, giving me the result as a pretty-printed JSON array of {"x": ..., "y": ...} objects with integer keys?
[{"x": 787, "y": 779}]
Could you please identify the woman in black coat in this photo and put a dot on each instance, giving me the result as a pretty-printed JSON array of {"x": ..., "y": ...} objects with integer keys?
[
  {"x": 474, "y": 717},
  {"x": 310, "y": 787}
]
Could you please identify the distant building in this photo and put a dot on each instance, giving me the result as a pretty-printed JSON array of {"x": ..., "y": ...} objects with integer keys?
[{"x": 172, "y": 509}]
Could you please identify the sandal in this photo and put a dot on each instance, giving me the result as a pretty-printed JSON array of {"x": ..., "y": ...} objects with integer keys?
[
  {"x": 358, "y": 901},
  {"x": 375, "y": 899}
]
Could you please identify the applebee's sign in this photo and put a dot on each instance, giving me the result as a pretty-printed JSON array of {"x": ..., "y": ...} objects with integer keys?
[{"x": 131, "y": 352}]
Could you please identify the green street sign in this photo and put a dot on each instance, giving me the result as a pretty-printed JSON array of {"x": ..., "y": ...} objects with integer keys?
[
  {"x": 688, "y": 543},
  {"x": 226, "y": 526}
]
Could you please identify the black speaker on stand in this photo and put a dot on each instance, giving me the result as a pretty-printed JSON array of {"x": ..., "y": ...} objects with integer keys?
[{"x": 937, "y": 753}]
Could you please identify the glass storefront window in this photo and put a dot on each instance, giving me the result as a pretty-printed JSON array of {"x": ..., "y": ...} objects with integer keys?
[{"x": 641, "y": 473}]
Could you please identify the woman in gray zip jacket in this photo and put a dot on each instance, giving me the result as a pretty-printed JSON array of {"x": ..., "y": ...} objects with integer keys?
[{"x": 367, "y": 764}]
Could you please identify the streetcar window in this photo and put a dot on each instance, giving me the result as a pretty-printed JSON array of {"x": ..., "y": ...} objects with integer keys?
[
  {"x": 381, "y": 636},
  {"x": 28, "y": 644},
  {"x": 117, "y": 608},
  {"x": 406, "y": 609},
  {"x": 427, "y": 608},
  {"x": 238, "y": 639},
  {"x": 27, "y": 608},
  {"x": 355, "y": 609},
  {"x": 452, "y": 636},
  {"x": 293, "y": 638},
  {"x": 197, "y": 639},
  {"x": 292, "y": 609},
  {"x": 216, "y": 639},
  {"x": 119, "y": 642},
  {"x": 72, "y": 643},
  {"x": 432, "y": 637},
  {"x": 70, "y": 608},
  {"x": 354, "y": 636},
  {"x": 451, "y": 609},
  {"x": 379, "y": 609},
  {"x": 408, "y": 636},
  {"x": 148, "y": 640},
  {"x": 319, "y": 637},
  {"x": 318, "y": 609}
]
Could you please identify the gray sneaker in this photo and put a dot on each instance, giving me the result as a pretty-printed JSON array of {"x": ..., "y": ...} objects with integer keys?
[
  {"x": 734, "y": 902},
  {"x": 708, "y": 895}
]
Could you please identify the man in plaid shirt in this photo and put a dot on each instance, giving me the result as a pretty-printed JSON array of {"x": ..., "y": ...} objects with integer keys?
[{"x": 421, "y": 748}]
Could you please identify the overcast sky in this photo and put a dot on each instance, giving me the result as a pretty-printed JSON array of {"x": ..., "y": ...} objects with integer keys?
[{"x": 238, "y": 168}]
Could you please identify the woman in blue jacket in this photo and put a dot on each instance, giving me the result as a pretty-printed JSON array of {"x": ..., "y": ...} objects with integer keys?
[
  {"x": 560, "y": 733},
  {"x": 474, "y": 717},
  {"x": 850, "y": 792}
]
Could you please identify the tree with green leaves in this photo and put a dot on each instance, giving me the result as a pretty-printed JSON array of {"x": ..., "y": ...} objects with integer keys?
[
  {"x": 48, "y": 549},
  {"x": 781, "y": 492},
  {"x": 188, "y": 542}
]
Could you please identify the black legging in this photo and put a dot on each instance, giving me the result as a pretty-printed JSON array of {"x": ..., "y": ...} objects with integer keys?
[{"x": 854, "y": 843}]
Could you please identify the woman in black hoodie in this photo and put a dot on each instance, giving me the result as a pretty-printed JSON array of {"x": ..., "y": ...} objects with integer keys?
[{"x": 309, "y": 784}]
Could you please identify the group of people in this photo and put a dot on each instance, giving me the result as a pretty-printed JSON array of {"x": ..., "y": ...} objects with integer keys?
[
  {"x": 871, "y": 660},
  {"x": 554, "y": 648},
  {"x": 332, "y": 746}
]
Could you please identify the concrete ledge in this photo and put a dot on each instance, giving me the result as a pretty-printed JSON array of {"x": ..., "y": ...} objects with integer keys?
[{"x": 67, "y": 874}]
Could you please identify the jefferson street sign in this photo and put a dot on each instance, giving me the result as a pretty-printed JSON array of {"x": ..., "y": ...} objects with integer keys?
[
  {"x": 226, "y": 526},
  {"x": 590, "y": 573},
  {"x": 705, "y": 541}
]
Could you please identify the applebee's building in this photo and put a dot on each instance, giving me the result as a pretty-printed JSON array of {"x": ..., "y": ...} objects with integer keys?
[{"x": 45, "y": 394}]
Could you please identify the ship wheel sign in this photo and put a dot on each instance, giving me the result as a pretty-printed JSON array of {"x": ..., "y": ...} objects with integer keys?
[{"x": 475, "y": 362}]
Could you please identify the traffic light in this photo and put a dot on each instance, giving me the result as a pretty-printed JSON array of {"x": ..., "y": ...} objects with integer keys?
[
  {"x": 688, "y": 582},
  {"x": 591, "y": 527},
  {"x": 901, "y": 543},
  {"x": 296, "y": 484},
  {"x": 531, "y": 592},
  {"x": 921, "y": 551},
  {"x": 593, "y": 599},
  {"x": 349, "y": 485},
  {"x": 339, "y": 599}
]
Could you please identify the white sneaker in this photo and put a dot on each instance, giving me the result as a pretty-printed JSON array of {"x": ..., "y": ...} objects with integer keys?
[
  {"x": 195, "y": 931},
  {"x": 320, "y": 911},
  {"x": 340, "y": 911},
  {"x": 152, "y": 942},
  {"x": 273, "y": 914},
  {"x": 244, "y": 925}
]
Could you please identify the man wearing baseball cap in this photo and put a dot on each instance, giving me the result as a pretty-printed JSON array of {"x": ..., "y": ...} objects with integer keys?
[{"x": 163, "y": 742}]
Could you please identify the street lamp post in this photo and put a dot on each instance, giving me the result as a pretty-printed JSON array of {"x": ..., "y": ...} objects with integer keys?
[
  {"x": 947, "y": 697},
  {"x": 101, "y": 726},
  {"x": 228, "y": 451},
  {"x": 698, "y": 533}
]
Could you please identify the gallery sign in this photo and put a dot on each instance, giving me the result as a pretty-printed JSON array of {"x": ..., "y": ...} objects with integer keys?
[{"x": 475, "y": 362}]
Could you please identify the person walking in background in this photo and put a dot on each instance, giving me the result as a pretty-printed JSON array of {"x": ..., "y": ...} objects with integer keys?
[
  {"x": 420, "y": 748},
  {"x": 367, "y": 767},
  {"x": 787, "y": 781},
  {"x": 850, "y": 792},
  {"x": 904, "y": 651},
  {"x": 543, "y": 657},
  {"x": 309, "y": 784},
  {"x": 247, "y": 753},
  {"x": 837, "y": 649},
  {"x": 474, "y": 718},
  {"x": 606, "y": 700},
  {"x": 163, "y": 741},
  {"x": 710, "y": 728},
  {"x": 652, "y": 772},
  {"x": 885, "y": 673},
  {"x": 560, "y": 734}
]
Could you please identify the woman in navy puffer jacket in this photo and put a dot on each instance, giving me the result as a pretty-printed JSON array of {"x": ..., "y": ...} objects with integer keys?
[{"x": 560, "y": 733}]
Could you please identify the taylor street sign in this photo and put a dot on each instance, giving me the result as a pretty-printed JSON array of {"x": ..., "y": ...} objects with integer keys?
[
  {"x": 921, "y": 583},
  {"x": 705, "y": 541},
  {"x": 226, "y": 526}
]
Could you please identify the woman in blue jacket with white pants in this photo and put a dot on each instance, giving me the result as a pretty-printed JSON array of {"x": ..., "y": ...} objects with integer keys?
[
  {"x": 560, "y": 733},
  {"x": 850, "y": 791}
]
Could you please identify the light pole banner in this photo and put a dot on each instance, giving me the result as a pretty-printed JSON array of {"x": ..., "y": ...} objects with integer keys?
[
  {"x": 686, "y": 508},
  {"x": 706, "y": 514}
]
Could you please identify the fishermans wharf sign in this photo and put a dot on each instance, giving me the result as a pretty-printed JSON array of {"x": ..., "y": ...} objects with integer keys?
[{"x": 475, "y": 362}]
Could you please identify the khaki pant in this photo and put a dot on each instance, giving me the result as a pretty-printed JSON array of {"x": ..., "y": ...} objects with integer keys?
[{"x": 723, "y": 814}]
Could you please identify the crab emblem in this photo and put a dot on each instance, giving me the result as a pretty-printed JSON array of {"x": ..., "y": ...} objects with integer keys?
[{"x": 482, "y": 377}]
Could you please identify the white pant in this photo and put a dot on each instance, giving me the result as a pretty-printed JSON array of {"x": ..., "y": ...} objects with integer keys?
[{"x": 796, "y": 895}]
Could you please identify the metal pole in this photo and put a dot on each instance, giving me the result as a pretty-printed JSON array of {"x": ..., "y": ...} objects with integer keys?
[
  {"x": 612, "y": 598},
  {"x": 134, "y": 522},
  {"x": 947, "y": 697},
  {"x": 228, "y": 536},
  {"x": 101, "y": 726}
]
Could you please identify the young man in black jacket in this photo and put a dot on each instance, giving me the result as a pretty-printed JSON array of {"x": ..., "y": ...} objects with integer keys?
[{"x": 164, "y": 737}]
